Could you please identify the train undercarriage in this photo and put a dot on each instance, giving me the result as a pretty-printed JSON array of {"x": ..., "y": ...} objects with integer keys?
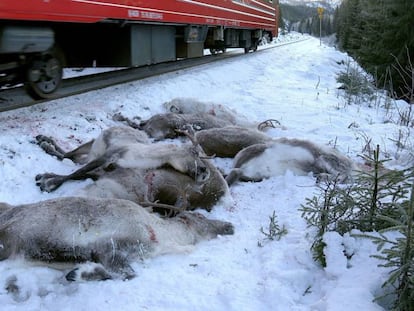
[{"x": 35, "y": 54}]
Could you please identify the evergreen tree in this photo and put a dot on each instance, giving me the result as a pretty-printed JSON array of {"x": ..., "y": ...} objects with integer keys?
[
  {"x": 398, "y": 254},
  {"x": 377, "y": 33},
  {"x": 370, "y": 203}
]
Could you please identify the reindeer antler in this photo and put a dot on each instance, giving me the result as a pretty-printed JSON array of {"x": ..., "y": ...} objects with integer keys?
[
  {"x": 268, "y": 123},
  {"x": 171, "y": 208},
  {"x": 188, "y": 131}
]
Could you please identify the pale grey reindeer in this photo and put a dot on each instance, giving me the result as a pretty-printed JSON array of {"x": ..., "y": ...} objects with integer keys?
[
  {"x": 103, "y": 235},
  {"x": 191, "y": 112},
  {"x": 272, "y": 158},
  {"x": 122, "y": 147},
  {"x": 113, "y": 137},
  {"x": 188, "y": 105},
  {"x": 164, "y": 185}
]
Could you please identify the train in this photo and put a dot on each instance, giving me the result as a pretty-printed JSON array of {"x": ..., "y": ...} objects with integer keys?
[{"x": 39, "y": 38}]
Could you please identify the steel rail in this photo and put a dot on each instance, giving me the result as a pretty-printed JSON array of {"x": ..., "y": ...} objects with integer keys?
[{"x": 15, "y": 98}]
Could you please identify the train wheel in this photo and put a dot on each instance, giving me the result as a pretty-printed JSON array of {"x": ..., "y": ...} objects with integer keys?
[
  {"x": 214, "y": 51},
  {"x": 43, "y": 76}
]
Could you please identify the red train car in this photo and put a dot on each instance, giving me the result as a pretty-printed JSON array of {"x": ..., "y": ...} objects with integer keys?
[{"x": 38, "y": 38}]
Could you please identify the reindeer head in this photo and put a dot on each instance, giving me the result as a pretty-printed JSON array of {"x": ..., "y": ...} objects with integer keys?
[
  {"x": 205, "y": 228},
  {"x": 201, "y": 168},
  {"x": 161, "y": 126},
  {"x": 192, "y": 164}
]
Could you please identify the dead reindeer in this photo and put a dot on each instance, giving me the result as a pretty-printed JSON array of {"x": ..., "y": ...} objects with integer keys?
[
  {"x": 177, "y": 189},
  {"x": 226, "y": 142},
  {"x": 215, "y": 138},
  {"x": 107, "y": 152},
  {"x": 111, "y": 137},
  {"x": 165, "y": 125},
  {"x": 193, "y": 194},
  {"x": 200, "y": 116},
  {"x": 185, "y": 105},
  {"x": 103, "y": 235},
  {"x": 167, "y": 183},
  {"x": 161, "y": 185},
  {"x": 302, "y": 157}
]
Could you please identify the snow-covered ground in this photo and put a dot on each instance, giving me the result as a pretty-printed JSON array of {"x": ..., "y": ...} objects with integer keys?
[{"x": 294, "y": 84}]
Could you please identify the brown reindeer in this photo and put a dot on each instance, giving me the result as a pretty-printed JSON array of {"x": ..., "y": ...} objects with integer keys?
[
  {"x": 226, "y": 142},
  {"x": 162, "y": 185},
  {"x": 106, "y": 235}
]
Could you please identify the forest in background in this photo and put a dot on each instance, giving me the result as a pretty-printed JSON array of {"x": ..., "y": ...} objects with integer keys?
[{"x": 378, "y": 34}]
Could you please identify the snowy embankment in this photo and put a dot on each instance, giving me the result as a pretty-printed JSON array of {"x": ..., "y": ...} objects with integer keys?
[{"x": 295, "y": 84}]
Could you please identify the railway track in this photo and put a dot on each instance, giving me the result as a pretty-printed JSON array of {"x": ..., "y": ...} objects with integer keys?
[{"x": 15, "y": 98}]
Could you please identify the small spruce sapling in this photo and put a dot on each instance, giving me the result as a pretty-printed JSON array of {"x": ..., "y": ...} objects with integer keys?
[
  {"x": 398, "y": 254},
  {"x": 361, "y": 205},
  {"x": 273, "y": 231}
]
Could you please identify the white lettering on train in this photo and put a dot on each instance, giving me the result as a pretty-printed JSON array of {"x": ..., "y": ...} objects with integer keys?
[
  {"x": 145, "y": 14},
  {"x": 133, "y": 13},
  {"x": 152, "y": 15}
]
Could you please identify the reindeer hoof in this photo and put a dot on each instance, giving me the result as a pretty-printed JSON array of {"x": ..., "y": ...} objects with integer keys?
[
  {"x": 48, "y": 182},
  {"x": 42, "y": 138},
  {"x": 88, "y": 272}
]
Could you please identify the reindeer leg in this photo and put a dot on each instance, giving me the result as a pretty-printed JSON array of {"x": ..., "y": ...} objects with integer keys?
[
  {"x": 234, "y": 176},
  {"x": 92, "y": 271},
  {"x": 79, "y": 155},
  {"x": 51, "y": 147},
  {"x": 118, "y": 263},
  {"x": 108, "y": 262},
  {"x": 50, "y": 182}
]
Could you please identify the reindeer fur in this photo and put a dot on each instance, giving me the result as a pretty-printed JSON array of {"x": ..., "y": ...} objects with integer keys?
[
  {"x": 162, "y": 185},
  {"x": 226, "y": 142},
  {"x": 109, "y": 232},
  {"x": 131, "y": 150},
  {"x": 113, "y": 137},
  {"x": 186, "y": 105},
  {"x": 265, "y": 160},
  {"x": 165, "y": 125}
]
